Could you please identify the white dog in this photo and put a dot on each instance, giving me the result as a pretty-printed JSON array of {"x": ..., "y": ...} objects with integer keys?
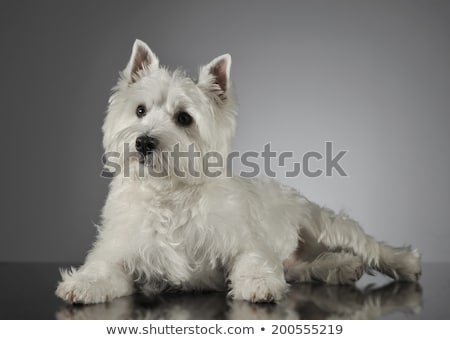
[{"x": 199, "y": 232}]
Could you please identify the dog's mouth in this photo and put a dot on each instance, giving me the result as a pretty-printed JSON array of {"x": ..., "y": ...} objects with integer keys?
[
  {"x": 154, "y": 161},
  {"x": 145, "y": 159}
]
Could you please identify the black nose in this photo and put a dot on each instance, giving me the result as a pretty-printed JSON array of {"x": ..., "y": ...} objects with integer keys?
[{"x": 146, "y": 144}]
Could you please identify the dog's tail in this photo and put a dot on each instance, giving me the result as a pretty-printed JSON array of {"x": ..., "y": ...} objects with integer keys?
[{"x": 340, "y": 232}]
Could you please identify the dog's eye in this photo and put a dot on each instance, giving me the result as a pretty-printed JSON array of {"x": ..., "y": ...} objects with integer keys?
[
  {"x": 184, "y": 118},
  {"x": 141, "y": 110}
]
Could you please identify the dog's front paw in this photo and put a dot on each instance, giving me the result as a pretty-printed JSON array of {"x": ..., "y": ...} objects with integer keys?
[
  {"x": 78, "y": 287},
  {"x": 84, "y": 290},
  {"x": 259, "y": 290}
]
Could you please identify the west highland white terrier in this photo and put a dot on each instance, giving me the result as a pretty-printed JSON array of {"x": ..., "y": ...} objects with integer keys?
[{"x": 250, "y": 237}]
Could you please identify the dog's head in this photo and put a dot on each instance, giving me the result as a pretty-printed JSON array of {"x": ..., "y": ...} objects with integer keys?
[{"x": 164, "y": 124}]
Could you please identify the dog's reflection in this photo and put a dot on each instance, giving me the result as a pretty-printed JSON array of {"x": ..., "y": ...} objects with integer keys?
[{"x": 304, "y": 301}]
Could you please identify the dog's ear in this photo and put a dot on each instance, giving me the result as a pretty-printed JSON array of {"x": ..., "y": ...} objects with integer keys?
[
  {"x": 142, "y": 58},
  {"x": 215, "y": 76}
]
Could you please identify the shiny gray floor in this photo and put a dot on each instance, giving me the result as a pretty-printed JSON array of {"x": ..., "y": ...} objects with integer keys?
[{"x": 27, "y": 293}]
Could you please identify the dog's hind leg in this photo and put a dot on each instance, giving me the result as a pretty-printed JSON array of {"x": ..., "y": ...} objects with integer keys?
[
  {"x": 312, "y": 261},
  {"x": 332, "y": 268},
  {"x": 338, "y": 233}
]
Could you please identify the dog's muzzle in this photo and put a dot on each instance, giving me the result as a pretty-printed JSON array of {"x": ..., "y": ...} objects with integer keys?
[{"x": 145, "y": 145}]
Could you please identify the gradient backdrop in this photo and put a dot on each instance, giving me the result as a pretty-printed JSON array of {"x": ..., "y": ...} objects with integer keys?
[{"x": 372, "y": 76}]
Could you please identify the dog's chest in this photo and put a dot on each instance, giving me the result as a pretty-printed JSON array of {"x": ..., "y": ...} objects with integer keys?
[
  {"x": 170, "y": 245},
  {"x": 168, "y": 238}
]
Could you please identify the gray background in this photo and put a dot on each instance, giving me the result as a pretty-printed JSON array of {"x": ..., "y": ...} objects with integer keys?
[{"x": 372, "y": 76}]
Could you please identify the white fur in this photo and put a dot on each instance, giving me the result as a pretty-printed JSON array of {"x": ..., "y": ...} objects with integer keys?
[{"x": 202, "y": 233}]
